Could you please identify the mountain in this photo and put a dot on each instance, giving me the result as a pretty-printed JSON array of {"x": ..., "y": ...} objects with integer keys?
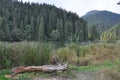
[
  {"x": 90, "y": 13},
  {"x": 39, "y": 22},
  {"x": 103, "y": 20}
]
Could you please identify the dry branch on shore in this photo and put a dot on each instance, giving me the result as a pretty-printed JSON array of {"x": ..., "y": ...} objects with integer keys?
[{"x": 44, "y": 68}]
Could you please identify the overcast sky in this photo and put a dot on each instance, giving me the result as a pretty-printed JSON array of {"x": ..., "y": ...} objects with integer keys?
[{"x": 83, "y": 6}]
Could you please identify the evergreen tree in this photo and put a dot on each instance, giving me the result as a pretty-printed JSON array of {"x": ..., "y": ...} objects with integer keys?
[
  {"x": 77, "y": 31},
  {"x": 41, "y": 30},
  {"x": 2, "y": 35},
  {"x": 7, "y": 33},
  {"x": 32, "y": 28},
  {"x": 55, "y": 35},
  {"x": 68, "y": 30},
  {"x": 94, "y": 33},
  {"x": 27, "y": 33},
  {"x": 39, "y": 22},
  {"x": 52, "y": 21},
  {"x": 60, "y": 29},
  {"x": 16, "y": 35},
  {"x": 0, "y": 22},
  {"x": 85, "y": 32}
]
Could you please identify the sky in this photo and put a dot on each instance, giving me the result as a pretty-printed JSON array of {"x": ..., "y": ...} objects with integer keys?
[{"x": 81, "y": 7}]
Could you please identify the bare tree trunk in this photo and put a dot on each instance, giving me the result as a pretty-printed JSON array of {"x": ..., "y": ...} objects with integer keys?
[{"x": 44, "y": 68}]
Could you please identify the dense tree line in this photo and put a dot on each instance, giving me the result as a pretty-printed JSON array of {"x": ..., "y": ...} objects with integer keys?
[
  {"x": 93, "y": 33},
  {"x": 39, "y": 22},
  {"x": 112, "y": 34}
]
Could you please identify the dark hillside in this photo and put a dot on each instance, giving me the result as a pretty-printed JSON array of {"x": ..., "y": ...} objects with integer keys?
[{"x": 39, "y": 22}]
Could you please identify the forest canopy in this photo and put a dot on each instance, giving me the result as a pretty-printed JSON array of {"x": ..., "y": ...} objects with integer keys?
[{"x": 39, "y": 22}]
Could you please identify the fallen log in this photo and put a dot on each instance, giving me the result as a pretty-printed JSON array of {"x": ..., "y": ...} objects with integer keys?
[{"x": 44, "y": 68}]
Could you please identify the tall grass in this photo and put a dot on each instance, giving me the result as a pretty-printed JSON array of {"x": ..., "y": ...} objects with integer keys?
[
  {"x": 73, "y": 54},
  {"x": 88, "y": 54},
  {"x": 35, "y": 53},
  {"x": 24, "y": 54}
]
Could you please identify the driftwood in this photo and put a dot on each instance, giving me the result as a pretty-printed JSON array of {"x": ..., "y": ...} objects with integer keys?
[{"x": 44, "y": 68}]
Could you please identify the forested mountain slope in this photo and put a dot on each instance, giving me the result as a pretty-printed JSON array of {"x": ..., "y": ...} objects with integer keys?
[
  {"x": 103, "y": 20},
  {"x": 39, "y": 22}
]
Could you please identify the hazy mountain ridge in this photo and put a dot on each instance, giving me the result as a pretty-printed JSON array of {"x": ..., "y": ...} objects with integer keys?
[
  {"x": 90, "y": 13},
  {"x": 103, "y": 20}
]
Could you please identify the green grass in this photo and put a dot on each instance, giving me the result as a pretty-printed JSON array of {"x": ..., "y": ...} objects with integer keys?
[
  {"x": 3, "y": 73},
  {"x": 98, "y": 56},
  {"x": 95, "y": 67},
  {"x": 3, "y": 78},
  {"x": 35, "y": 53},
  {"x": 107, "y": 65},
  {"x": 24, "y": 54}
]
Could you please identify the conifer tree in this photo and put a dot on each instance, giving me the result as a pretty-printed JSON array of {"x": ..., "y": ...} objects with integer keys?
[
  {"x": 41, "y": 33},
  {"x": 60, "y": 29}
]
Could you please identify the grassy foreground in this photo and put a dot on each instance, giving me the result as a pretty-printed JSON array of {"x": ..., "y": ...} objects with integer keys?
[
  {"x": 110, "y": 70},
  {"x": 93, "y": 57}
]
